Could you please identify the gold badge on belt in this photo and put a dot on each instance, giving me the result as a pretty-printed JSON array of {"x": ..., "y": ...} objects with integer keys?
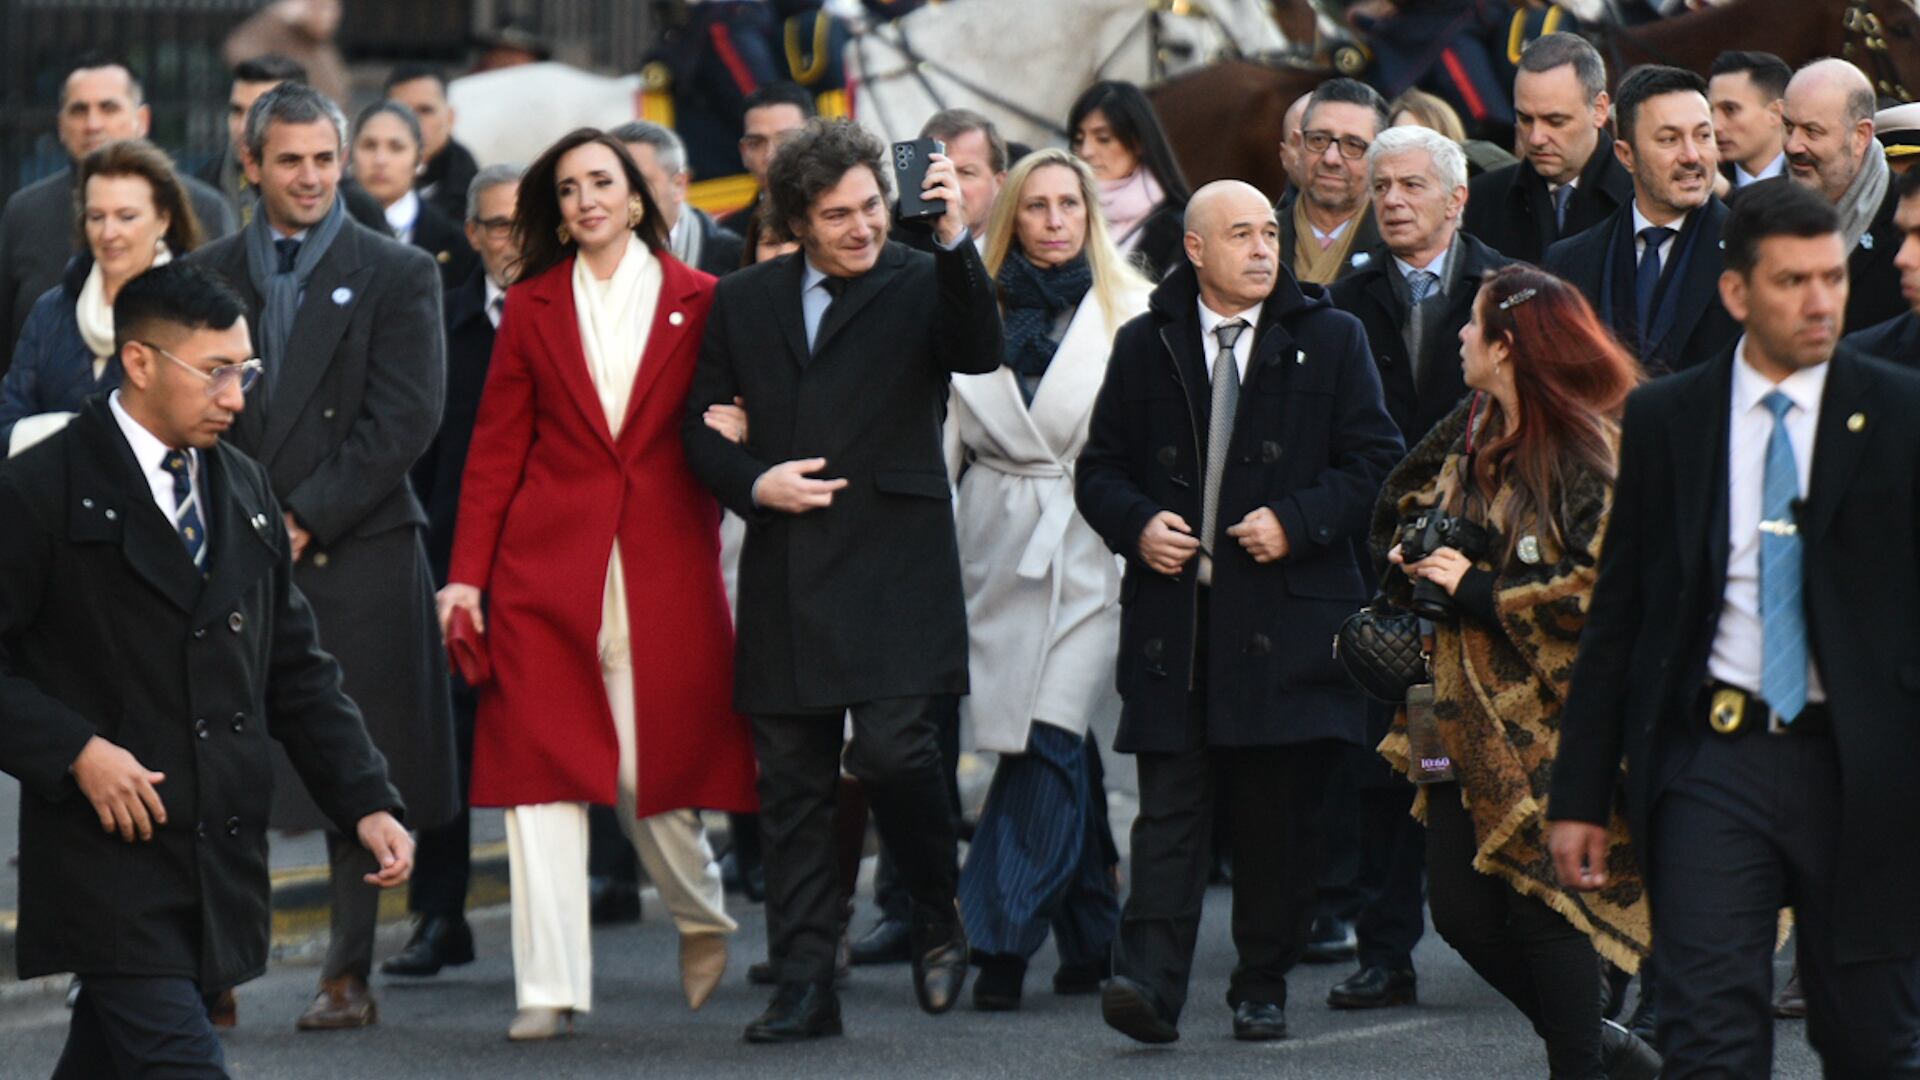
[{"x": 1729, "y": 711}]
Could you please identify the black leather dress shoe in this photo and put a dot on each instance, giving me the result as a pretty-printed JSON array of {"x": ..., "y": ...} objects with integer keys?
[
  {"x": 1330, "y": 941},
  {"x": 940, "y": 959},
  {"x": 1625, "y": 1056},
  {"x": 1259, "y": 1021},
  {"x": 1373, "y": 987},
  {"x": 997, "y": 987},
  {"x": 1130, "y": 1009},
  {"x": 799, "y": 1011},
  {"x": 438, "y": 941},
  {"x": 886, "y": 943},
  {"x": 1644, "y": 1023},
  {"x": 610, "y": 901},
  {"x": 1071, "y": 979}
]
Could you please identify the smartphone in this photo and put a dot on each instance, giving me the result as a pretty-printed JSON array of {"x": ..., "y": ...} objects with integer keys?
[{"x": 910, "y": 161}]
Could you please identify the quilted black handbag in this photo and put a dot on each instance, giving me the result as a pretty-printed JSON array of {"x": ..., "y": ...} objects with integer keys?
[{"x": 1384, "y": 650}]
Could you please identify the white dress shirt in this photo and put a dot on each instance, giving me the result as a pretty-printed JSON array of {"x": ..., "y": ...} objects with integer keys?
[
  {"x": 1737, "y": 652},
  {"x": 1776, "y": 167},
  {"x": 1641, "y": 221},
  {"x": 1438, "y": 268},
  {"x": 403, "y": 215},
  {"x": 1327, "y": 238},
  {"x": 151, "y": 453},
  {"x": 1242, "y": 348}
]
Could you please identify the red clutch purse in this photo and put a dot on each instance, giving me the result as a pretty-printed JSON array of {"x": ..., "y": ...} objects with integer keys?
[{"x": 467, "y": 649}]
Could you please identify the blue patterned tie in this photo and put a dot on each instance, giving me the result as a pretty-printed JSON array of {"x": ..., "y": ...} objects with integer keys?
[
  {"x": 186, "y": 508},
  {"x": 1647, "y": 280},
  {"x": 1783, "y": 618},
  {"x": 1422, "y": 284},
  {"x": 1560, "y": 196}
]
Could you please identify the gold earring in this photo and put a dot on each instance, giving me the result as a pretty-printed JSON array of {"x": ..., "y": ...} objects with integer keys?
[
  {"x": 565, "y": 234},
  {"x": 636, "y": 212}
]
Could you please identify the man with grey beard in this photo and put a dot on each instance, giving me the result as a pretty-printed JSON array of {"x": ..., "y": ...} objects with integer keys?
[{"x": 1831, "y": 149}]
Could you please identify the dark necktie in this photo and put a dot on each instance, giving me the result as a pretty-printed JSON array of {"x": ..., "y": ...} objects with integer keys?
[
  {"x": 1225, "y": 403},
  {"x": 186, "y": 508},
  {"x": 1647, "y": 281},
  {"x": 836, "y": 288},
  {"x": 1560, "y": 196},
  {"x": 289, "y": 250},
  {"x": 496, "y": 309}
]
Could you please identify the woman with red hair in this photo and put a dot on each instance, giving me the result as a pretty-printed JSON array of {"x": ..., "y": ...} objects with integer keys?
[{"x": 1495, "y": 520}]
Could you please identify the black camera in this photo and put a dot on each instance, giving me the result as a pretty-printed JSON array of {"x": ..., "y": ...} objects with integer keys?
[{"x": 1427, "y": 533}]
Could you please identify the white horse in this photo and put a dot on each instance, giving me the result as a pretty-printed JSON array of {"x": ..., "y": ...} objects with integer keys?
[
  {"x": 1022, "y": 62},
  {"x": 513, "y": 114}
]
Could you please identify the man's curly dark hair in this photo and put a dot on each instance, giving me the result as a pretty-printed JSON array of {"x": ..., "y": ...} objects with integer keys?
[{"x": 814, "y": 161}]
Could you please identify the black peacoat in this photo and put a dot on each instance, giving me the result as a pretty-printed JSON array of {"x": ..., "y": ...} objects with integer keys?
[
  {"x": 106, "y": 628},
  {"x": 1313, "y": 441},
  {"x": 1368, "y": 294},
  {"x": 1511, "y": 210},
  {"x": 1897, "y": 340},
  {"x": 1691, "y": 326},
  {"x": 862, "y": 600},
  {"x": 1656, "y": 609},
  {"x": 444, "y": 239},
  {"x": 357, "y": 402}
]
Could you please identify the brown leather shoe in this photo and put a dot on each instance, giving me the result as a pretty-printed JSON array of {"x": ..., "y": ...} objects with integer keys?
[
  {"x": 341, "y": 1003},
  {"x": 222, "y": 1010}
]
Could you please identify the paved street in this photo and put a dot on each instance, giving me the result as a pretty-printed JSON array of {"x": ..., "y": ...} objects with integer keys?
[{"x": 454, "y": 1026}]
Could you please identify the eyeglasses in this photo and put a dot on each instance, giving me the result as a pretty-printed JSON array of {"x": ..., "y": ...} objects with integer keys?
[
  {"x": 1352, "y": 147},
  {"x": 243, "y": 374},
  {"x": 496, "y": 227}
]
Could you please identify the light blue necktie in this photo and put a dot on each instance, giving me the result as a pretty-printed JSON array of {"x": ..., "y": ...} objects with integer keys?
[
  {"x": 1422, "y": 284},
  {"x": 1783, "y": 618}
]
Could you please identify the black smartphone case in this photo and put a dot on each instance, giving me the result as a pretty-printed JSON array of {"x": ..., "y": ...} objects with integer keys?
[{"x": 910, "y": 161}]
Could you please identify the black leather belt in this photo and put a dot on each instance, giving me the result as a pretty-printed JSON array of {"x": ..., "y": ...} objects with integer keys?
[{"x": 1730, "y": 711}]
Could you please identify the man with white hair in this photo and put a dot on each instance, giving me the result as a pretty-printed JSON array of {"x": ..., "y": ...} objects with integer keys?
[
  {"x": 696, "y": 239},
  {"x": 1831, "y": 149},
  {"x": 1412, "y": 296}
]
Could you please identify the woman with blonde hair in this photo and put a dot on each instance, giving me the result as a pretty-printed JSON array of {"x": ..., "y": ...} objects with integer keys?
[
  {"x": 1417, "y": 108},
  {"x": 1042, "y": 589}
]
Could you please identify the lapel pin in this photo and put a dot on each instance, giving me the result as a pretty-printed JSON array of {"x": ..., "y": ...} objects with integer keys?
[
  {"x": 1361, "y": 259},
  {"x": 1866, "y": 241},
  {"x": 342, "y": 295},
  {"x": 1300, "y": 357},
  {"x": 675, "y": 319},
  {"x": 1857, "y": 422}
]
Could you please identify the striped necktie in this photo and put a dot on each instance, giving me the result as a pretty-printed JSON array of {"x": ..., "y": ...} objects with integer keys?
[
  {"x": 1783, "y": 617},
  {"x": 186, "y": 508}
]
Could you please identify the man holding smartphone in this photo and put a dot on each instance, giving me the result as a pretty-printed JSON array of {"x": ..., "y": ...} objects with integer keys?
[{"x": 850, "y": 600}]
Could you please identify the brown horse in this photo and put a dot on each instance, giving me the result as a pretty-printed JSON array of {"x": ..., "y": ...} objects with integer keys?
[
  {"x": 1881, "y": 36},
  {"x": 1223, "y": 120}
]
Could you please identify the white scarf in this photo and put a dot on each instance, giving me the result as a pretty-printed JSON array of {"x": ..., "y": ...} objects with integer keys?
[
  {"x": 95, "y": 315},
  {"x": 616, "y": 317}
]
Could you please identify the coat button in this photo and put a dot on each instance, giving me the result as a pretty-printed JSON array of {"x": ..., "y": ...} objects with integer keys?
[
  {"x": 1261, "y": 645},
  {"x": 1269, "y": 452},
  {"x": 320, "y": 560},
  {"x": 233, "y": 826},
  {"x": 200, "y": 728},
  {"x": 235, "y": 622},
  {"x": 239, "y": 722},
  {"x": 200, "y": 634},
  {"x": 111, "y": 516},
  {"x": 200, "y": 830},
  {"x": 1169, "y": 456},
  {"x": 326, "y": 414},
  {"x": 87, "y": 503}
]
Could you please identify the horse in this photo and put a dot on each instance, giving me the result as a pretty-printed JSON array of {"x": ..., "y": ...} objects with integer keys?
[
  {"x": 1223, "y": 120},
  {"x": 1022, "y": 63},
  {"x": 1882, "y": 37}
]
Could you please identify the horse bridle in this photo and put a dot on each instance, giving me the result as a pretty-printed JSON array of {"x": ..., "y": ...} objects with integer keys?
[
  {"x": 920, "y": 66},
  {"x": 1864, "y": 29}
]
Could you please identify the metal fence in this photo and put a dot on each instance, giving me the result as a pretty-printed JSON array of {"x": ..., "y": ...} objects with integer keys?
[{"x": 175, "y": 45}]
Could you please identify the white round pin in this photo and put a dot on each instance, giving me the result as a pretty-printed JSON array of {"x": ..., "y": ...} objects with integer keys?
[
  {"x": 341, "y": 295},
  {"x": 675, "y": 319}
]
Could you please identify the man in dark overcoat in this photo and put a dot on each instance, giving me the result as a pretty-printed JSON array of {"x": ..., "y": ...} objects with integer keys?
[
  {"x": 1746, "y": 677},
  {"x": 850, "y": 599},
  {"x": 349, "y": 326},
  {"x": 1569, "y": 178},
  {"x": 153, "y": 649},
  {"x": 1663, "y": 303},
  {"x": 1235, "y": 452}
]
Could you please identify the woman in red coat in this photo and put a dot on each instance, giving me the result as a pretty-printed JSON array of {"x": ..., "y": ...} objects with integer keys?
[{"x": 598, "y": 555}]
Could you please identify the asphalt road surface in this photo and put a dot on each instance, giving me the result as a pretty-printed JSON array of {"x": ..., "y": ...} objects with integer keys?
[{"x": 455, "y": 1025}]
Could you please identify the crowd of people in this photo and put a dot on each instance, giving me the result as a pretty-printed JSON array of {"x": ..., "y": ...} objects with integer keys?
[{"x": 359, "y": 485}]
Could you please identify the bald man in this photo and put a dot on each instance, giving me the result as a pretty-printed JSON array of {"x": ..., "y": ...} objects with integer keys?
[
  {"x": 1259, "y": 478},
  {"x": 1293, "y": 158},
  {"x": 1830, "y": 148}
]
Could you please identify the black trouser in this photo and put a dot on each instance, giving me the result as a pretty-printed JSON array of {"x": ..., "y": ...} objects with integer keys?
[
  {"x": 149, "y": 1027},
  {"x": 1273, "y": 800},
  {"x": 443, "y": 858},
  {"x": 1752, "y": 825},
  {"x": 889, "y": 892},
  {"x": 1340, "y": 893},
  {"x": 1520, "y": 946},
  {"x": 896, "y": 757},
  {"x": 1392, "y": 878}
]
